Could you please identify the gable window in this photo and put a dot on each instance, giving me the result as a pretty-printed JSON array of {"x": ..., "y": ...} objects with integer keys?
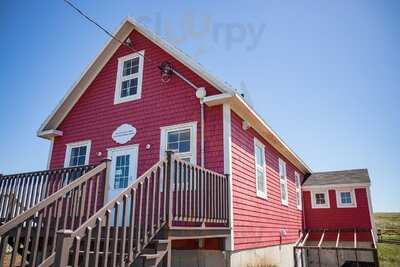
[
  {"x": 259, "y": 156},
  {"x": 129, "y": 78},
  {"x": 345, "y": 198},
  {"x": 283, "y": 182},
  {"x": 181, "y": 139},
  {"x": 77, "y": 154},
  {"x": 298, "y": 190},
  {"x": 320, "y": 199}
]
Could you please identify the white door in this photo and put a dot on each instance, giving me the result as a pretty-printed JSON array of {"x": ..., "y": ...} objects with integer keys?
[{"x": 124, "y": 161}]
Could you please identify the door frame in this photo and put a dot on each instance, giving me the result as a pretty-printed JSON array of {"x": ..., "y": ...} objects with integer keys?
[{"x": 109, "y": 171}]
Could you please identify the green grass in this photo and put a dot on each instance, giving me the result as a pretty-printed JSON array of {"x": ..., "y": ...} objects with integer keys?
[{"x": 389, "y": 253}]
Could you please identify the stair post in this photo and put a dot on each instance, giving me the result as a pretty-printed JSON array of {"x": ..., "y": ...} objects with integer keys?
[
  {"x": 106, "y": 179},
  {"x": 63, "y": 245},
  {"x": 170, "y": 175}
]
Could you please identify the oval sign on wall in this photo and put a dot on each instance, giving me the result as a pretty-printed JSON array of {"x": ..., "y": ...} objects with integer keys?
[{"x": 124, "y": 133}]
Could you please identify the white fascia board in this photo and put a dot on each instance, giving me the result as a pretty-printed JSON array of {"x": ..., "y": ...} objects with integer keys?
[{"x": 333, "y": 186}]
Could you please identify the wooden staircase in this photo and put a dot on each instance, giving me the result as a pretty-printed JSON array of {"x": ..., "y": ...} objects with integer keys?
[{"x": 73, "y": 226}]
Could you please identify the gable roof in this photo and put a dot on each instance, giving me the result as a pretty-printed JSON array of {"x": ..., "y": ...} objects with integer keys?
[
  {"x": 359, "y": 176},
  {"x": 48, "y": 129}
]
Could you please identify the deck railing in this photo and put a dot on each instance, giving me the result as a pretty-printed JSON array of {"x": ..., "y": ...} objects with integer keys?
[
  {"x": 199, "y": 195},
  {"x": 31, "y": 234},
  {"x": 19, "y": 192},
  {"x": 172, "y": 191}
]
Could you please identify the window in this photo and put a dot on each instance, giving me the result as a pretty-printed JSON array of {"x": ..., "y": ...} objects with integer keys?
[
  {"x": 259, "y": 156},
  {"x": 129, "y": 78},
  {"x": 298, "y": 190},
  {"x": 77, "y": 154},
  {"x": 181, "y": 139},
  {"x": 345, "y": 198},
  {"x": 121, "y": 171},
  {"x": 283, "y": 182},
  {"x": 320, "y": 200}
]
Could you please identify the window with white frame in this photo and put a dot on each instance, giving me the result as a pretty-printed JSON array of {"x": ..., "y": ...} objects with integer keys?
[
  {"x": 320, "y": 199},
  {"x": 345, "y": 198},
  {"x": 77, "y": 154},
  {"x": 283, "y": 182},
  {"x": 259, "y": 156},
  {"x": 181, "y": 139},
  {"x": 298, "y": 190},
  {"x": 129, "y": 78}
]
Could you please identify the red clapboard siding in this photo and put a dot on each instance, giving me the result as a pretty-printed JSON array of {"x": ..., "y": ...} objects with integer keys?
[
  {"x": 334, "y": 217},
  {"x": 257, "y": 222},
  {"x": 94, "y": 117}
]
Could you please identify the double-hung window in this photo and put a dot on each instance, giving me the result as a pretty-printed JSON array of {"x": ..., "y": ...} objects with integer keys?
[
  {"x": 259, "y": 156},
  {"x": 283, "y": 182},
  {"x": 298, "y": 190},
  {"x": 345, "y": 198},
  {"x": 77, "y": 154},
  {"x": 320, "y": 199},
  {"x": 181, "y": 139},
  {"x": 129, "y": 78}
]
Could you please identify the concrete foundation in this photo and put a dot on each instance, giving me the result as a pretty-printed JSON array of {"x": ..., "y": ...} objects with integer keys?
[
  {"x": 280, "y": 256},
  {"x": 198, "y": 258}
]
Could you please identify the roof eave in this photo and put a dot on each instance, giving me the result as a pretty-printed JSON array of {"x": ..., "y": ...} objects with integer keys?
[{"x": 239, "y": 105}]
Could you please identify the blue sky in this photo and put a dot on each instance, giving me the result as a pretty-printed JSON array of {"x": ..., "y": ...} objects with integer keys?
[{"x": 323, "y": 74}]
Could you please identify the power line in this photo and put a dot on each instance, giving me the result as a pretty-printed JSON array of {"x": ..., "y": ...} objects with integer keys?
[{"x": 105, "y": 30}]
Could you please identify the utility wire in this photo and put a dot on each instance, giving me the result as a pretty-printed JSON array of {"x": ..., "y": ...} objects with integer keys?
[{"x": 105, "y": 30}]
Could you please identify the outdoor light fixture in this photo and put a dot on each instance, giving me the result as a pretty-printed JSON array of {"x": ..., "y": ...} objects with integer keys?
[
  {"x": 128, "y": 42},
  {"x": 166, "y": 71}
]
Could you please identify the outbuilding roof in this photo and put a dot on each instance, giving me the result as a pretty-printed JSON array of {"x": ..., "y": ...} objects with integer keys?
[{"x": 358, "y": 176}]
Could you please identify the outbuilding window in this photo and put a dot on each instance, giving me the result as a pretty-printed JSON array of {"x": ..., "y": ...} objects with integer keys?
[
  {"x": 283, "y": 182},
  {"x": 129, "y": 78},
  {"x": 345, "y": 198},
  {"x": 259, "y": 158},
  {"x": 320, "y": 199}
]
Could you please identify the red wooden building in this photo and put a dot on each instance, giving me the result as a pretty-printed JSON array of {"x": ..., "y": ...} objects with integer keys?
[{"x": 232, "y": 193}]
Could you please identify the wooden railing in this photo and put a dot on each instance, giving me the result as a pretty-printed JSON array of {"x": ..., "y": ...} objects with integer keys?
[
  {"x": 19, "y": 192},
  {"x": 198, "y": 195},
  {"x": 170, "y": 192},
  {"x": 30, "y": 237}
]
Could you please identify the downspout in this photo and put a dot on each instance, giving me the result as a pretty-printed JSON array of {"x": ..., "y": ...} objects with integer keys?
[{"x": 202, "y": 131}]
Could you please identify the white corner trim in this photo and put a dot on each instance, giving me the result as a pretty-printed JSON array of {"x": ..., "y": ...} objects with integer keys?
[
  {"x": 50, "y": 153},
  {"x": 177, "y": 127},
  {"x": 260, "y": 193},
  {"x": 314, "y": 205},
  {"x": 227, "y": 136},
  {"x": 371, "y": 212},
  {"x": 119, "y": 79},
  {"x": 339, "y": 203},
  {"x": 87, "y": 143}
]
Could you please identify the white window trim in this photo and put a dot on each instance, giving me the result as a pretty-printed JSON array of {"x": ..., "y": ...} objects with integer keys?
[
  {"x": 314, "y": 204},
  {"x": 298, "y": 190},
  {"x": 87, "y": 143},
  {"x": 178, "y": 127},
  {"x": 260, "y": 193},
  {"x": 339, "y": 203},
  {"x": 283, "y": 181},
  {"x": 117, "y": 96}
]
